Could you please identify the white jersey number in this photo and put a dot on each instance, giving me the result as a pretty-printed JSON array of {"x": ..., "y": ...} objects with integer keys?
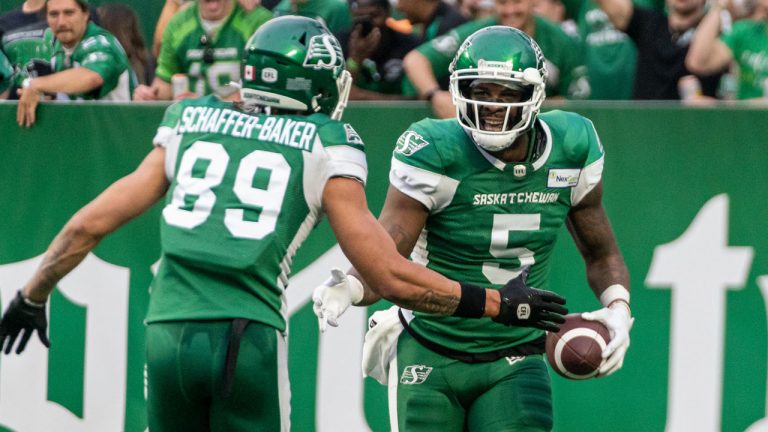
[
  {"x": 503, "y": 225},
  {"x": 269, "y": 200}
]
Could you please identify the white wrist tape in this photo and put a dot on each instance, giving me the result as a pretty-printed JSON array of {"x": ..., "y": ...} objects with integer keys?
[
  {"x": 613, "y": 293},
  {"x": 356, "y": 290}
]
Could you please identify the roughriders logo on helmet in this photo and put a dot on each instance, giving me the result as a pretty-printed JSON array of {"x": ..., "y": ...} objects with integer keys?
[{"x": 323, "y": 53}]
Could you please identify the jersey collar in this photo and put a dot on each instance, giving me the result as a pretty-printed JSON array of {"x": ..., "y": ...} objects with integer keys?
[{"x": 537, "y": 164}]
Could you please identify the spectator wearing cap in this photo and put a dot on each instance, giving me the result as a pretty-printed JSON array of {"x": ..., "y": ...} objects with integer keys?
[
  {"x": 375, "y": 51},
  {"x": 335, "y": 14},
  {"x": 204, "y": 42},
  {"x": 88, "y": 62},
  {"x": 662, "y": 41},
  {"x": 429, "y": 63}
]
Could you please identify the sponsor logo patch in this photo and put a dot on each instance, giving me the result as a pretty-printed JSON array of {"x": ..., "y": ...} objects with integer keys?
[
  {"x": 563, "y": 178},
  {"x": 415, "y": 374},
  {"x": 409, "y": 143}
]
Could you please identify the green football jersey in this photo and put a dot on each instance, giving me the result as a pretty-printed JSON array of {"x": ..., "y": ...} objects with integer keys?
[
  {"x": 334, "y": 14},
  {"x": 564, "y": 55},
  {"x": 23, "y": 45},
  {"x": 6, "y": 72},
  {"x": 611, "y": 55},
  {"x": 210, "y": 62},
  {"x": 489, "y": 219},
  {"x": 749, "y": 44},
  {"x": 245, "y": 191},
  {"x": 100, "y": 52}
]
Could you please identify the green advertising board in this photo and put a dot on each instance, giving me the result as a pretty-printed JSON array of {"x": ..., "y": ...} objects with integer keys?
[{"x": 685, "y": 189}]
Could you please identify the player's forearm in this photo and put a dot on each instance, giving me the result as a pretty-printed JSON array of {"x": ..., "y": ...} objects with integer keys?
[
  {"x": 607, "y": 271},
  {"x": 68, "y": 249},
  {"x": 419, "y": 71},
  {"x": 70, "y": 81},
  {"x": 419, "y": 292}
]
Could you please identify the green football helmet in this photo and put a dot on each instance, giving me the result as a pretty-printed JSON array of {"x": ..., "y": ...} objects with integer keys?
[
  {"x": 294, "y": 63},
  {"x": 500, "y": 55}
]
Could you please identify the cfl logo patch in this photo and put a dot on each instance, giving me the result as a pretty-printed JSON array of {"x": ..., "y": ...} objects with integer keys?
[
  {"x": 269, "y": 75},
  {"x": 415, "y": 374},
  {"x": 523, "y": 311}
]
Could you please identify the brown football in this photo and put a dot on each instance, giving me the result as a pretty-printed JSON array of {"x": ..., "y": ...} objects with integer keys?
[{"x": 575, "y": 351}]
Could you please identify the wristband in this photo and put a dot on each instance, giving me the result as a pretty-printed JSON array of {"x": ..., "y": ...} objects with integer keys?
[
  {"x": 26, "y": 83},
  {"x": 471, "y": 303},
  {"x": 614, "y": 293}
]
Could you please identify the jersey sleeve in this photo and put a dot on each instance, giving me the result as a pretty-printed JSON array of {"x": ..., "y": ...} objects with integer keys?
[
  {"x": 732, "y": 39},
  {"x": 417, "y": 169},
  {"x": 6, "y": 72},
  {"x": 592, "y": 172},
  {"x": 345, "y": 151},
  {"x": 167, "y": 61},
  {"x": 168, "y": 125},
  {"x": 104, "y": 58},
  {"x": 168, "y": 138}
]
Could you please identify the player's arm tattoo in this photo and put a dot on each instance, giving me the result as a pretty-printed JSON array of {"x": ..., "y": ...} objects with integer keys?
[
  {"x": 68, "y": 249},
  {"x": 427, "y": 300}
]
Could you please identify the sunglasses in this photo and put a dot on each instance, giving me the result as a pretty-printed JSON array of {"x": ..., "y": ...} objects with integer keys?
[{"x": 205, "y": 41}]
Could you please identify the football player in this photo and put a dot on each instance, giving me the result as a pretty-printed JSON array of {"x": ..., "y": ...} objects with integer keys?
[
  {"x": 244, "y": 184},
  {"x": 480, "y": 198}
]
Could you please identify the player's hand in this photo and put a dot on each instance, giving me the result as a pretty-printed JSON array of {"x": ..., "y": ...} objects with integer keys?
[
  {"x": 618, "y": 320},
  {"x": 22, "y": 317},
  {"x": 523, "y": 306},
  {"x": 334, "y": 296}
]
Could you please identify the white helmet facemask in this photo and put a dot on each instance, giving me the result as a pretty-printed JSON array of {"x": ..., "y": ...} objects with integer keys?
[{"x": 468, "y": 111}]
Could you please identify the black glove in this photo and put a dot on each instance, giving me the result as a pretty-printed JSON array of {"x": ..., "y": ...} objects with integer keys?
[
  {"x": 523, "y": 306},
  {"x": 22, "y": 317}
]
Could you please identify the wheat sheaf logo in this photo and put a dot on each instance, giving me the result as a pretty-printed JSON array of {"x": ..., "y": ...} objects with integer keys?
[
  {"x": 323, "y": 53},
  {"x": 415, "y": 374}
]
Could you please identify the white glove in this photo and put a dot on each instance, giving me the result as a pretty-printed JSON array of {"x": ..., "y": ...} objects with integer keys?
[
  {"x": 618, "y": 321},
  {"x": 334, "y": 296}
]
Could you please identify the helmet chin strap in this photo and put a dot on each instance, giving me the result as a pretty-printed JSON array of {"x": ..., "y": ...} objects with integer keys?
[{"x": 494, "y": 142}]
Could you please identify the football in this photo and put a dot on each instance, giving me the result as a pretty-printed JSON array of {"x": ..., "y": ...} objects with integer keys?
[{"x": 575, "y": 351}]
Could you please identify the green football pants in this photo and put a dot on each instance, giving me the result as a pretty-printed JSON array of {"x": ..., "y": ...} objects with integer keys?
[
  {"x": 429, "y": 392},
  {"x": 185, "y": 378}
]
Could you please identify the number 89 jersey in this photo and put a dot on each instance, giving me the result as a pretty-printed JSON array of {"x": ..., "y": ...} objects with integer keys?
[
  {"x": 489, "y": 219},
  {"x": 245, "y": 191}
]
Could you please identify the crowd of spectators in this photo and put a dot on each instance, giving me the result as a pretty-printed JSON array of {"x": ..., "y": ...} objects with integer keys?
[{"x": 687, "y": 50}]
